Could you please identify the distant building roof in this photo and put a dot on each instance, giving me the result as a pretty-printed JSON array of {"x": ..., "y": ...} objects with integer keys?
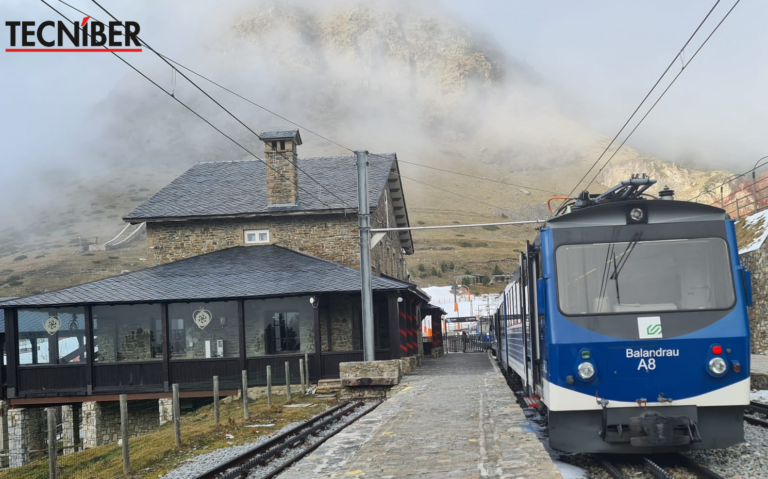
[
  {"x": 232, "y": 188},
  {"x": 239, "y": 189},
  {"x": 239, "y": 272},
  {"x": 281, "y": 135}
]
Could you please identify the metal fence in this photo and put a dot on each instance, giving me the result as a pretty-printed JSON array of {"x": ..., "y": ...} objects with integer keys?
[{"x": 471, "y": 343}]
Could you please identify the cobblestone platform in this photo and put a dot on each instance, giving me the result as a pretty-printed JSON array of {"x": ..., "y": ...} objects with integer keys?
[
  {"x": 455, "y": 417},
  {"x": 759, "y": 373}
]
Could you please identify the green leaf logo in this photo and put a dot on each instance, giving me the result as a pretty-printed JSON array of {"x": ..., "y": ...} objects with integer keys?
[{"x": 653, "y": 330}]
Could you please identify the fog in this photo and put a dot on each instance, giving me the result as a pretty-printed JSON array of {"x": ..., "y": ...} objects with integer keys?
[{"x": 513, "y": 83}]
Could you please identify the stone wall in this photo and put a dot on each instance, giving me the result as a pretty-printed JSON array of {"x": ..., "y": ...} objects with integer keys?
[
  {"x": 387, "y": 256},
  {"x": 101, "y": 421},
  {"x": 70, "y": 427},
  {"x": 282, "y": 177},
  {"x": 26, "y": 435},
  {"x": 346, "y": 330},
  {"x": 369, "y": 369},
  {"x": 757, "y": 262},
  {"x": 330, "y": 237}
]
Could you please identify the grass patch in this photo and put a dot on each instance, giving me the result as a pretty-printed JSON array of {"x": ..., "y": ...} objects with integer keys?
[
  {"x": 155, "y": 454},
  {"x": 490, "y": 227},
  {"x": 20, "y": 257}
]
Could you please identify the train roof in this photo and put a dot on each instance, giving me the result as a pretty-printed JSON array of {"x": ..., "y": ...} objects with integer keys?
[{"x": 658, "y": 211}]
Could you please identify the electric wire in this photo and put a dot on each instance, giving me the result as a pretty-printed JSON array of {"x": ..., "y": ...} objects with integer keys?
[
  {"x": 462, "y": 196},
  {"x": 247, "y": 150},
  {"x": 343, "y": 202},
  {"x": 597, "y": 161},
  {"x": 168, "y": 59},
  {"x": 663, "y": 93},
  {"x": 197, "y": 114},
  {"x": 323, "y": 137}
]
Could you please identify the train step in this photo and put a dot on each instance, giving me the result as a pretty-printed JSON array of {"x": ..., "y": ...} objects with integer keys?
[{"x": 532, "y": 401}]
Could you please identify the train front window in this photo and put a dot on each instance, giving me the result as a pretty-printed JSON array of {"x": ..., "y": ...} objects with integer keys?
[{"x": 644, "y": 276}]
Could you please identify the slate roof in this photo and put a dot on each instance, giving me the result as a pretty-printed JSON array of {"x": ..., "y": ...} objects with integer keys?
[
  {"x": 239, "y": 272},
  {"x": 281, "y": 134},
  {"x": 232, "y": 188}
]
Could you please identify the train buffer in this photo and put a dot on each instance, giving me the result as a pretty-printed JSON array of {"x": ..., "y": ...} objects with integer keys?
[{"x": 453, "y": 417}]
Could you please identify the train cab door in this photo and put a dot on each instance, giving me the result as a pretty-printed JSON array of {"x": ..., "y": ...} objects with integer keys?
[
  {"x": 526, "y": 324},
  {"x": 529, "y": 275}
]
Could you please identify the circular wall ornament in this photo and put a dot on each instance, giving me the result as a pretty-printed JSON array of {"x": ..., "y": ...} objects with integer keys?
[
  {"x": 202, "y": 318},
  {"x": 52, "y": 324}
]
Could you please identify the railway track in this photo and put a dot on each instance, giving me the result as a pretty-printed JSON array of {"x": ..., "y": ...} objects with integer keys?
[
  {"x": 666, "y": 466},
  {"x": 280, "y": 452},
  {"x": 756, "y": 408}
]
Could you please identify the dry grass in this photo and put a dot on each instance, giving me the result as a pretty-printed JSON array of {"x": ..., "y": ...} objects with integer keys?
[{"x": 155, "y": 454}]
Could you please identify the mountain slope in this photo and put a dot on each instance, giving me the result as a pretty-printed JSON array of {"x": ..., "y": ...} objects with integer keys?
[{"x": 401, "y": 76}]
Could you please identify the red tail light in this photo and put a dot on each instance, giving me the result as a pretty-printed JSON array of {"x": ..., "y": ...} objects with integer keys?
[{"x": 717, "y": 350}]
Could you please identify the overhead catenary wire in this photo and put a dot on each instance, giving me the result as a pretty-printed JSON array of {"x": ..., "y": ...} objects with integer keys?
[
  {"x": 144, "y": 43},
  {"x": 298, "y": 125},
  {"x": 645, "y": 98},
  {"x": 460, "y": 195},
  {"x": 334, "y": 142},
  {"x": 251, "y": 153},
  {"x": 198, "y": 115},
  {"x": 664, "y": 92}
]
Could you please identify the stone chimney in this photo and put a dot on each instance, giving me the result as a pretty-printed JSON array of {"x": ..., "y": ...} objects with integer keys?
[{"x": 280, "y": 154}]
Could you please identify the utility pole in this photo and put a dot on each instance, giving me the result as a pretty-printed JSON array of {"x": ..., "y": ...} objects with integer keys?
[{"x": 364, "y": 215}]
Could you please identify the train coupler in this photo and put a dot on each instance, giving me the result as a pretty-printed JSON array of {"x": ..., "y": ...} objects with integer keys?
[{"x": 652, "y": 429}]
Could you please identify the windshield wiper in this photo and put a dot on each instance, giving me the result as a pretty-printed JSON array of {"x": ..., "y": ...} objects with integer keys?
[{"x": 623, "y": 261}]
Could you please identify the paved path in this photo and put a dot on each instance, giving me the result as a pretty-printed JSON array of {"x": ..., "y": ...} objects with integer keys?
[
  {"x": 759, "y": 363},
  {"x": 455, "y": 417}
]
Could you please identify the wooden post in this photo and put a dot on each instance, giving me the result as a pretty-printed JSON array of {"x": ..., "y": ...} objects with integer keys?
[
  {"x": 301, "y": 377},
  {"x": 287, "y": 381},
  {"x": 216, "y": 400},
  {"x": 53, "y": 468},
  {"x": 125, "y": 435},
  {"x": 269, "y": 386},
  {"x": 176, "y": 415},
  {"x": 306, "y": 369},
  {"x": 246, "y": 414}
]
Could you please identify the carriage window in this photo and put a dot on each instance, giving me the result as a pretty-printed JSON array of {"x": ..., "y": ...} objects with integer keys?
[{"x": 644, "y": 276}]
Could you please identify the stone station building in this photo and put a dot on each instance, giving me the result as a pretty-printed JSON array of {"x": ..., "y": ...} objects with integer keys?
[{"x": 255, "y": 266}]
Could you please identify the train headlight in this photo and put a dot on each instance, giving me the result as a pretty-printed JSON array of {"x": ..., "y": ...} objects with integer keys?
[
  {"x": 586, "y": 371},
  {"x": 718, "y": 366},
  {"x": 636, "y": 214}
]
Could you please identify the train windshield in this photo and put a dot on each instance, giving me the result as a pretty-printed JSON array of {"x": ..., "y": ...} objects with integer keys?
[{"x": 644, "y": 276}]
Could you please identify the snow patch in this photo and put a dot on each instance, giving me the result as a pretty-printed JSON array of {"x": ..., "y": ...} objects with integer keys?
[
  {"x": 759, "y": 396},
  {"x": 752, "y": 220}
]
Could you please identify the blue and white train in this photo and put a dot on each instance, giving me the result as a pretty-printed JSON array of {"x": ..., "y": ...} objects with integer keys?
[{"x": 627, "y": 322}]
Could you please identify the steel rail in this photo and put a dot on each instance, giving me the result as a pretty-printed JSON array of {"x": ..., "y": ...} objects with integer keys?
[
  {"x": 701, "y": 471},
  {"x": 266, "y": 446},
  {"x": 606, "y": 464},
  {"x": 311, "y": 448}
]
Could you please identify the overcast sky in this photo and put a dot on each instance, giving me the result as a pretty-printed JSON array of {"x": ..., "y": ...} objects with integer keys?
[
  {"x": 599, "y": 57},
  {"x": 603, "y": 57}
]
